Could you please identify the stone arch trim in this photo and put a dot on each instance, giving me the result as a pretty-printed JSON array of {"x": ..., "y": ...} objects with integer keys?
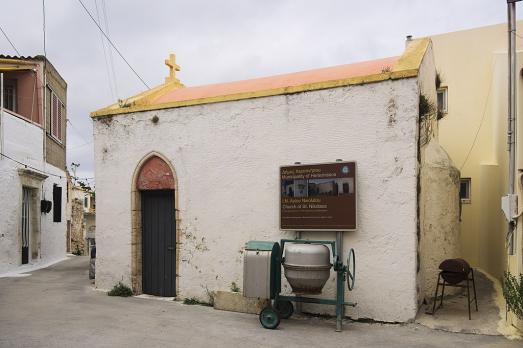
[{"x": 160, "y": 181}]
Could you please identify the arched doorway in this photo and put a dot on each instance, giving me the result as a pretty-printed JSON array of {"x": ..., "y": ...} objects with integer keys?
[{"x": 154, "y": 237}]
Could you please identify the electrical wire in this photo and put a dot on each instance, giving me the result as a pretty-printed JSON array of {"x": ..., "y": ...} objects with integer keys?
[
  {"x": 107, "y": 69},
  {"x": 43, "y": 28},
  {"x": 86, "y": 142},
  {"x": 41, "y": 171},
  {"x": 482, "y": 118},
  {"x": 12, "y": 44},
  {"x": 78, "y": 132},
  {"x": 106, "y": 21},
  {"x": 112, "y": 44},
  {"x": 79, "y": 146}
]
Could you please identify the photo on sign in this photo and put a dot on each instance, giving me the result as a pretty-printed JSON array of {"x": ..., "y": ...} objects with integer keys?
[
  {"x": 330, "y": 187},
  {"x": 294, "y": 188},
  {"x": 317, "y": 187}
]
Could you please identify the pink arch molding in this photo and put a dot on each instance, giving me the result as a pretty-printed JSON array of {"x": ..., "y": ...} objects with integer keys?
[{"x": 155, "y": 174}]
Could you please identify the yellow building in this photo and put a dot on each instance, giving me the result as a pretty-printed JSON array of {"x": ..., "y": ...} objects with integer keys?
[{"x": 473, "y": 98}]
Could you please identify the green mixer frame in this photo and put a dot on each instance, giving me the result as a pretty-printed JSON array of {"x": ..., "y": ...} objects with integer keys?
[{"x": 281, "y": 305}]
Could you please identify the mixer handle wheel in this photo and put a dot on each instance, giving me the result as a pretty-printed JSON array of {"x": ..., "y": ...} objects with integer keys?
[{"x": 351, "y": 269}]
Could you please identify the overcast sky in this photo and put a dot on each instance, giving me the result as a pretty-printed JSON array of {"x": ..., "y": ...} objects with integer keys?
[{"x": 216, "y": 41}]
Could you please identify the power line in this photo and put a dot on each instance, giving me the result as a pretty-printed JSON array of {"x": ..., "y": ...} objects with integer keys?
[
  {"x": 105, "y": 54},
  {"x": 43, "y": 28},
  {"x": 12, "y": 44},
  {"x": 106, "y": 21},
  {"x": 79, "y": 146},
  {"x": 482, "y": 118},
  {"x": 39, "y": 170},
  {"x": 78, "y": 132},
  {"x": 112, "y": 44}
]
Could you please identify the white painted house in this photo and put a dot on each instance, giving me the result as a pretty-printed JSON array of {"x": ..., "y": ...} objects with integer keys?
[
  {"x": 32, "y": 163},
  {"x": 202, "y": 163}
]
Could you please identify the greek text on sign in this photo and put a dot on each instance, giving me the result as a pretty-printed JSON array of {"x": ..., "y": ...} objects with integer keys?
[{"x": 318, "y": 197}]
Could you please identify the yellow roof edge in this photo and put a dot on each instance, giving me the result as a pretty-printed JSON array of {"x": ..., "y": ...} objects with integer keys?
[
  {"x": 143, "y": 97},
  {"x": 407, "y": 66},
  {"x": 17, "y": 61},
  {"x": 264, "y": 93},
  {"x": 413, "y": 55}
]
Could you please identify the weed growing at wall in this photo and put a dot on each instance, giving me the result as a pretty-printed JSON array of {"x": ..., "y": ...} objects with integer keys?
[
  {"x": 438, "y": 80},
  {"x": 78, "y": 251},
  {"x": 211, "y": 295},
  {"x": 235, "y": 287},
  {"x": 120, "y": 289},
  {"x": 427, "y": 115},
  {"x": 195, "y": 301},
  {"x": 513, "y": 293}
]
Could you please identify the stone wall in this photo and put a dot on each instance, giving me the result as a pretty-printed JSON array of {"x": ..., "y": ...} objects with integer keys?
[{"x": 77, "y": 227}]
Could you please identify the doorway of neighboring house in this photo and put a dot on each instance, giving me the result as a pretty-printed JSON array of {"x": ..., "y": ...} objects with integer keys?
[
  {"x": 158, "y": 243},
  {"x": 26, "y": 223}
]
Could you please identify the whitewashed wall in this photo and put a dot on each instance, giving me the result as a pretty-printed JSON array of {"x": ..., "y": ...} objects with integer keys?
[
  {"x": 439, "y": 197},
  {"x": 226, "y": 157},
  {"x": 24, "y": 142}
]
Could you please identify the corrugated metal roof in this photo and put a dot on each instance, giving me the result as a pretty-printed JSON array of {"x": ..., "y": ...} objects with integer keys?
[{"x": 37, "y": 57}]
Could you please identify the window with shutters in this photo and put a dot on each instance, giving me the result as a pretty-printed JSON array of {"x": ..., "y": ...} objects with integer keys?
[{"x": 57, "y": 115}]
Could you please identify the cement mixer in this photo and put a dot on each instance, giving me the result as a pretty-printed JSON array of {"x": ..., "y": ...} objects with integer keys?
[{"x": 307, "y": 266}]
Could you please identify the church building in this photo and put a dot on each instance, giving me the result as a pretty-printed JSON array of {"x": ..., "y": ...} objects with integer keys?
[{"x": 199, "y": 167}]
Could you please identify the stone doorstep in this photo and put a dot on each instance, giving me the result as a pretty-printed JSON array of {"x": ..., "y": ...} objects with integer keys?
[{"x": 236, "y": 302}]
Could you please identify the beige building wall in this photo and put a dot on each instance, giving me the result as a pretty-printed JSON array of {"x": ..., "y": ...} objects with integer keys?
[{"x": 473, "y": 66}]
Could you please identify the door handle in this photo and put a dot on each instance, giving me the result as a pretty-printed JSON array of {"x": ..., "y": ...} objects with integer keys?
[{"x": 170, "y": 248}]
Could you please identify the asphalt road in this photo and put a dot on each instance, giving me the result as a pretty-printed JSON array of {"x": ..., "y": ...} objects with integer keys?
[{"x": 57, "y": 307}]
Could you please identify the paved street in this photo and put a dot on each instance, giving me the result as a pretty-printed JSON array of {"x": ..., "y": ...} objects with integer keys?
[{"x": 57, "y": 307}]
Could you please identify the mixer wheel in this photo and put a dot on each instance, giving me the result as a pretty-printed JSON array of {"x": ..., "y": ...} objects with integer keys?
[
  {"x": 269, "y": 318},
  {"x": 351, "y": 269},
  {"x": 284, "y": 308}
]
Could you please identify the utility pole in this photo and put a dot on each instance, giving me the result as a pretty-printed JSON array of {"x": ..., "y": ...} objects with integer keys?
[
  {"x": 74, "y": 166},
  {"x": 510, "y": 206}
]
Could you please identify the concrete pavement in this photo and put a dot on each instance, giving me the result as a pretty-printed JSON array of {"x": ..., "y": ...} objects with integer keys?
[{"x": 57, "y": 307}]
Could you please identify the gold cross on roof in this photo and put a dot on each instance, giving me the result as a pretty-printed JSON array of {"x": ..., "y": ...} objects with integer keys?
[{"x": 173, "y": 68}]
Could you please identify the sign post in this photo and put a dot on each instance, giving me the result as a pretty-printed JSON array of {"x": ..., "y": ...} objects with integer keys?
[{"x": 321, "y": 197}]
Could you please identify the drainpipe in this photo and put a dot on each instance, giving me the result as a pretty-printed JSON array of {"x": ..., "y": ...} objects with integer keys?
[{"x": 511, "y": 198}]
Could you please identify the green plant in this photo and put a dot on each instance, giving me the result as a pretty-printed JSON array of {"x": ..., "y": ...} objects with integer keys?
[
  {"x": 235, "y": 287},
  {"x": 195, "y": 301},
  {"x": 211, "y": 295},
  {"x": 513, "y": 293},
  {"x": 438, "y": 80},
  {"x": 78, "y": 251},
  {"x": 120, "y": 289},
  {"x": 426, "y": 107}
]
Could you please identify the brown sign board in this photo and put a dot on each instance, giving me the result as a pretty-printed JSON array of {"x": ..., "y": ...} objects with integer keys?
[{"x": 318, "y": 197}]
